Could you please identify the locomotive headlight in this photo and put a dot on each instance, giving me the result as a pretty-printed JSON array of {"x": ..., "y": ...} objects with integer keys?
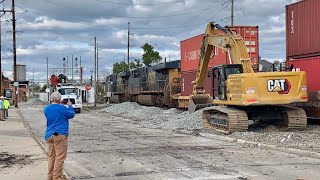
[{"x": 304, "y": 88}]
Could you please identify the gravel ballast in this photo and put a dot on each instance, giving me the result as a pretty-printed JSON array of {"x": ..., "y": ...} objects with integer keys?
[{"x": 155, "y": 117}]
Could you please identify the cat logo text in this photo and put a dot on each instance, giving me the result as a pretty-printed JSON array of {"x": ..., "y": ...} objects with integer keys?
[{"x": 282, "y": 86}]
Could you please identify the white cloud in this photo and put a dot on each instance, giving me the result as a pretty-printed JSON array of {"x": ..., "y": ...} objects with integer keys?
[
  {"x": 46, "y": 23},
  {"x": 57, "y": 31}
]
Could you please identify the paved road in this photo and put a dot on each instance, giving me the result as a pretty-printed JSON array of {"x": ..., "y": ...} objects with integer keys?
[{"x": 103, "y": 146}]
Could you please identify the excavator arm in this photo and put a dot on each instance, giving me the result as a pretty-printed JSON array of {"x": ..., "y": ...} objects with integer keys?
[{"x": 229, "y": 42}]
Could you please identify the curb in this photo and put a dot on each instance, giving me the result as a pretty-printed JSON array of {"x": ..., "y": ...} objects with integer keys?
[
  {"x": 266, "y": 146},
  {"x": 26, "y": 124}
]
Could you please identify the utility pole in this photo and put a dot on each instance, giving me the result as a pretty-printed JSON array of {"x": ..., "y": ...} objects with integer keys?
[
  {"x": 128, "y": 55},
  {"x": 14, "y": 53},
  {"x": 72, "y": 68},
  {"x": 14, "y": 50},
  {"x": 0, "y": 59},
  {"x": 232, "y": 9},
  {"x": 32, "y": 90},
  {"x": 91, "y": 71},
  {"x": 67, "y": 67},
  {"x": 80, "y": 72},
  {"x": 48, "y": 79},
  {"x": 98, "y": 61},
  {"x": 95, "y": 72}
]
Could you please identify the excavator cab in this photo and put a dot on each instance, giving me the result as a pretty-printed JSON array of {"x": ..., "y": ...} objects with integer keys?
[{"x": 220, "y": 75}]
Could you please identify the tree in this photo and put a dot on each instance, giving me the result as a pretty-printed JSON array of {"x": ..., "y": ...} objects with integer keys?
[
  {"x": 138, "y": 63},
  {"x": 149, "y": 55},
  {"x": 120, "y": 67}
]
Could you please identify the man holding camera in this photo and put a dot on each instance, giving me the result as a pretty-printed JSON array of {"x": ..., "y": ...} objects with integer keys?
[{"x": 57, "y": 116}]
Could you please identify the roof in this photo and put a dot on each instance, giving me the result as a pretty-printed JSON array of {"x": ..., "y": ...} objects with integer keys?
[
  {"x": 266, "y": 65},
  {"x": 167, "y": 65}
]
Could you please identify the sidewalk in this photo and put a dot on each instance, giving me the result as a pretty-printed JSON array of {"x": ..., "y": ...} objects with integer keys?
[{"x": 20, "y": 155}]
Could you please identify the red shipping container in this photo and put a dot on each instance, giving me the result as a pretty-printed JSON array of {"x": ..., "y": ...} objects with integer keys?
[
  {"x": 302, "y": 29},
  {"x": 250, "y": 35},
  {"x": 189, "y": 76},
  {"x": 190, "y": 49},
  {"x": 190, "y": 54},
  {"x": 311, "y": 67}
]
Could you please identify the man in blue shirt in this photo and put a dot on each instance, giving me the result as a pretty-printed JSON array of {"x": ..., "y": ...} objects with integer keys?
[{"x": 57, "y": 116}]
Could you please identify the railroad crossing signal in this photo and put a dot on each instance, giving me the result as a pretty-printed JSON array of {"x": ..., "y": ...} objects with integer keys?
[{"x": 87, "y": 87}]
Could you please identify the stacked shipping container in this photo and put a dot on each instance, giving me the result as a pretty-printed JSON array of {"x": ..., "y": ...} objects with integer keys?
[
  {"x": 302, "y": 29},
  {"x": 190, "y": 56},
  {"x": 250, "y": 35},
  {"x": 303, "y": 47}
]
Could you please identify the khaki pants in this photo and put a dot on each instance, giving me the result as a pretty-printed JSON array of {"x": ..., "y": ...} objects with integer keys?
[{"x": 57, "y": 153}]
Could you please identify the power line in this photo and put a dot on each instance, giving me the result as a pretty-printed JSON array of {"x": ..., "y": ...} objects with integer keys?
[
  {"x": 188, "y": 20},
  {"x": 6, "y": 54},
  {"x": 210, "y": 19},
  {"x": 25, "y": 10},
  {"x": 141, "y": 4},
  {"x": 206, "y": 21}
]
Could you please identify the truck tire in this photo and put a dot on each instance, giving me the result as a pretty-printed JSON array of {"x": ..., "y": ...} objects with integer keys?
[{"x": 78, "y": 110}]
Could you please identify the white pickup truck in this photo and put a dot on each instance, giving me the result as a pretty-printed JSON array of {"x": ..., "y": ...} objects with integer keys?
[{"x": 72, "y": 93}]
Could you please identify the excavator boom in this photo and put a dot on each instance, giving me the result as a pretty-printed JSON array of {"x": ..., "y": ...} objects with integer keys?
[{"x": 226, "y": 41}]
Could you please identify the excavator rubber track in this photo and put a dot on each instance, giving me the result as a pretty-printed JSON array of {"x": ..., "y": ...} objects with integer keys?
[
  {"x": 228, "y": 119},
  {"x": 296, "y": 118},
  {"x": 225, "y": 119}
]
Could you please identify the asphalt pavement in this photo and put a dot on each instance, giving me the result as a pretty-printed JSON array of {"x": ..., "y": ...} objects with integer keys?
[{"x": 105, "y": 146}]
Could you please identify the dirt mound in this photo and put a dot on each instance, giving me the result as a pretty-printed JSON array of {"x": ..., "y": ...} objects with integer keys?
[{"x": 8, "y": 160}]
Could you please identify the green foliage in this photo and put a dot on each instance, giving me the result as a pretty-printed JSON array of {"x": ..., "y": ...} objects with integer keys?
[
  {"x": 149, "y": 55},
  {"x": 136, "y": 64},
  {"x": 120, "y": 67}
]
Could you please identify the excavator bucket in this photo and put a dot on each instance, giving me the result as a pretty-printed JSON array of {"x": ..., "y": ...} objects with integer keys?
[
  {"x": 191, "y": 107},
  {"x": 198, "y": 101}
]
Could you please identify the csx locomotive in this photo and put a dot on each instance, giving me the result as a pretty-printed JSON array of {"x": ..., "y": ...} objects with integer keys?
[{"x": 156, "y": 85}]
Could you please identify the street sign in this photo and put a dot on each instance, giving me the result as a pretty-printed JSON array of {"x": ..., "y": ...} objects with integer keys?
[
  {"x": 15, "y": 84},
  {"x": 87, "y": 87},
  {"x": 47, "y": 90}
]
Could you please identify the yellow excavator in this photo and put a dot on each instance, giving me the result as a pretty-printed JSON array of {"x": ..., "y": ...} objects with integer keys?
[{"x": 240, "y": 95}]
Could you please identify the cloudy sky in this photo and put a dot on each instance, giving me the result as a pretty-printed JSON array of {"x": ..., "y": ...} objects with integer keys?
[{"x": 66, "y": 28}]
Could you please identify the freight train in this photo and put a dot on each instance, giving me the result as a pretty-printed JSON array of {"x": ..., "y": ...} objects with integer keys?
[{"x": 157, "y": 85}]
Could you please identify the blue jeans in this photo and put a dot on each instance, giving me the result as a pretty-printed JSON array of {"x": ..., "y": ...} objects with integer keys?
[{"x": 6, "y": 113}]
